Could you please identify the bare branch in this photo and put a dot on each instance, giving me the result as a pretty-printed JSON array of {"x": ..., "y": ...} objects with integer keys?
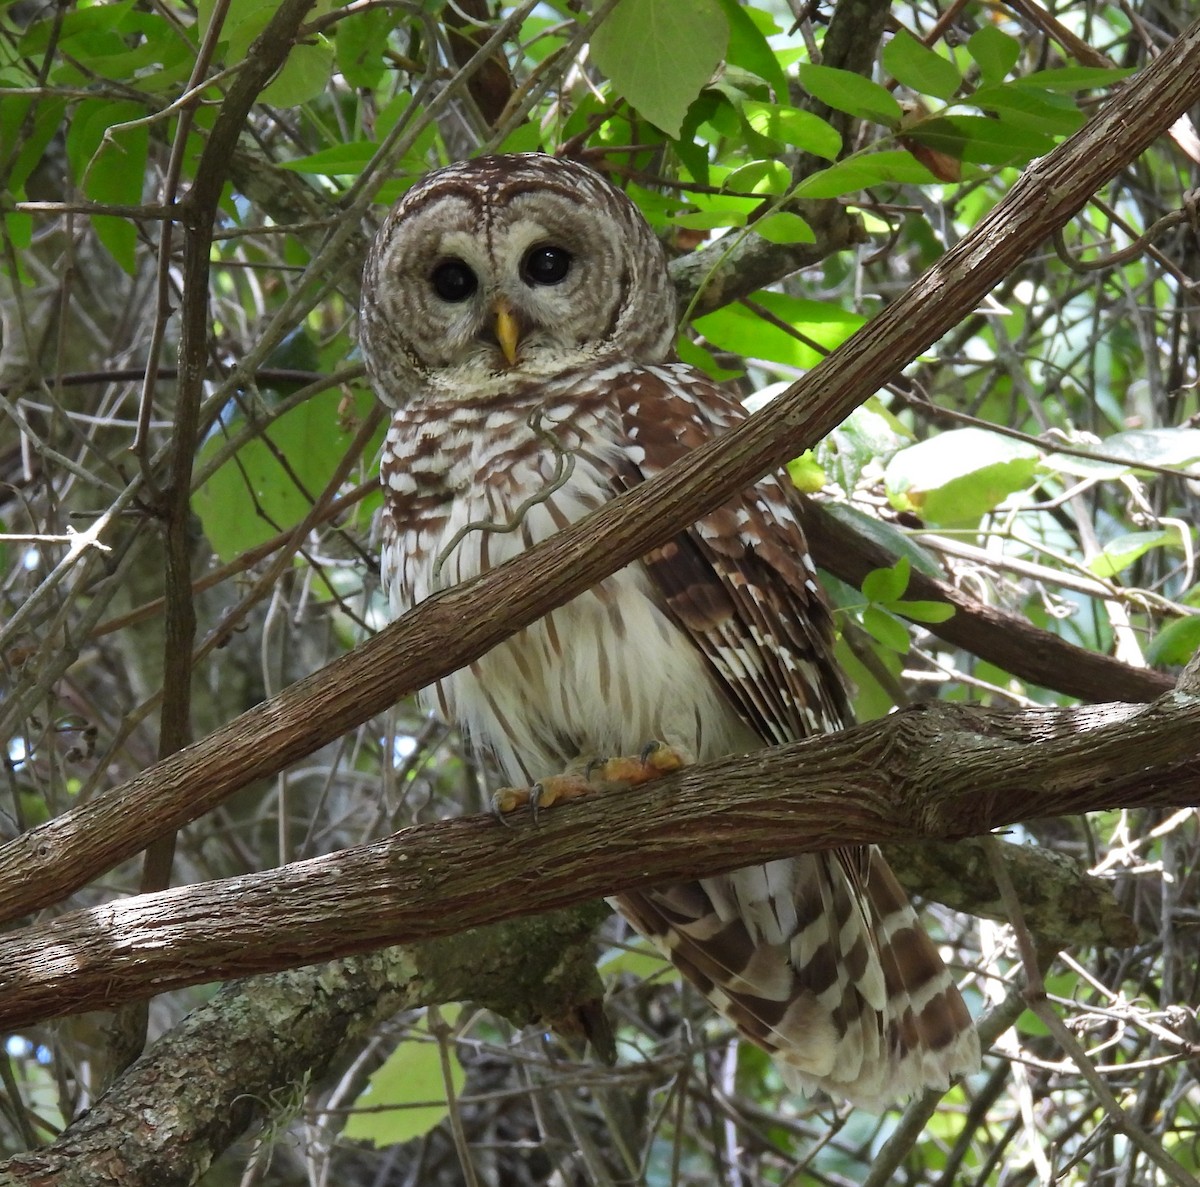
[
  {"x": 933, "y": 771},
  {"x": 1010, "y": 641},
  {"x": 449, "y": 631},
  {"x": 258, "y": 1040}
]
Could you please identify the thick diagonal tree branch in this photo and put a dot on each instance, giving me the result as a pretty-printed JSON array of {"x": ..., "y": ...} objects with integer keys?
[
  {"x": 934, "y": 771},
  {"x": 446, "y": 632}
]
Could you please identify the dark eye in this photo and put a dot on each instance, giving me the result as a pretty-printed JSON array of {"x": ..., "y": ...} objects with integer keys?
[
  {"x": 546, "y": 265},
  {"x": 454, "y": 281}
]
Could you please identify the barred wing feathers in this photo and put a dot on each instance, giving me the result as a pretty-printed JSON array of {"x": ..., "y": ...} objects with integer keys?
[{"x": 819, "y": 959}]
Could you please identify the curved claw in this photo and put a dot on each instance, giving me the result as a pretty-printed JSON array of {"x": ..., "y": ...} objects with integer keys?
[
  {"x": 506, "y": 801},
  {"x": 498, "y": 813},
  {"x": 649, "y": 749},
  {"x": 536, "y": 792}
]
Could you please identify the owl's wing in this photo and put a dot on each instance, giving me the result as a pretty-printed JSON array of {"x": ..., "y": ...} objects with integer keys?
[
  {"x": 740, "y": 581},
  {"x": 819, "y": 959}
]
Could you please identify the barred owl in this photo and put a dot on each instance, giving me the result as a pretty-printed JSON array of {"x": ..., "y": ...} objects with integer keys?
[{"x": 519, "y": 317}]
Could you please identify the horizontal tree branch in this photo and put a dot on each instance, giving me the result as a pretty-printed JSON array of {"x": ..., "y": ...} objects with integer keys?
[
  {"x": 448, "y": 631},
  {"x": 932, "y": 771},
  {"x": 1007, "y": 640},
  {"x": 239, "y": 1058}
]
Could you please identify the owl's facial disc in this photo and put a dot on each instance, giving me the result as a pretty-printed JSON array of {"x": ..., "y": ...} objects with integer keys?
[{"x": 509, "y": 270}]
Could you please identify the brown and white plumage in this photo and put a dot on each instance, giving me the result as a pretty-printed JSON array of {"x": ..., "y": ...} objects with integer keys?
[{"x": 518, "y": 313}]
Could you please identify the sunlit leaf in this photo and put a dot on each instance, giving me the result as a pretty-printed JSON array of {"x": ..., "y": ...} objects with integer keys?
[
  {"x": 770, "y": 178},
  {"x": 659, "y": 53},
  {"x": 407, "y": 1094},
  {"x": 919, "y": 68},
  {"x": 806, "y": 472},
  {"x": 843, "y": 90},
  {"x": 793, "y": 126},
  {"x": 995, "y": 53},
  {"x": 1155, "y": 447},
  {"x": 741, "y": 330},
  {"x": 958, "y": 476},
  {"x": 1127, "y": 548},
  {"x": 784, "y": 227},
  {"x": 862, "y": 171},
  {"x": 886, "y": 585},
  {"x": 923, "y": 611}
]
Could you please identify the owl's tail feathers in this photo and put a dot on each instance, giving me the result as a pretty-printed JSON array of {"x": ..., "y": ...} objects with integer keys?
[
  {"x": 820, "y": 961},
  {"x": 928, "y": 1037}
]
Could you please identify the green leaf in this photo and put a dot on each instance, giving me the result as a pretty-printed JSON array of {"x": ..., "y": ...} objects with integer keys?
[
  {"x": 957, "y": 477},
  {"x": 641, "y": 960},
  {"x": 410, "y": 1090},
  {"x": 862, "y": 171},
  {"x": 337, "y": 160},
  {"x": 868, "y": 436},
  {"x": 303, "y": 77},
  {"x": 886, "y": 585},
  {"x": 695, "y": 355},
  {"x": 1124, "y": 550},
  {"x": 25, "y": 146},
  {"x": 843, "y": 90},
  {"x": 268, "y": 486},
  {"x": 886, "y": 628},
  {"x": 749, "y": 48},
  {"x": 1155, "y": 447},
  {"x": 1176, "y": 643},
  {"x": 1033, "y": 110},
  {"x": 994, "y": 52},
  {"x": 75, "y": 28},
  {"x": 806, "y": 473},
  {"x": 793, "y": 126},
  {"x": 742, "y": 331},
  {"x": 979, "y": 140},
  {"x": 887, "y": 537},
  {"x": 919, "y": 68},
  {"x": 923, "y": 611},
  {"x": 658, "y": 54},
  {"x": 360, "y": 41},
  {"x": 769, "y": 178},
  {"x": 1074, "y": 78},
  {"x": 109, "y": 163},
  {"x": 784, "y": 227},
  {"x": 872, "y": 699}
]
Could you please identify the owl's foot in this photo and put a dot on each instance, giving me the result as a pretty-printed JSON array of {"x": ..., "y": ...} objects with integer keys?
[{"x": 599, "y": 775}]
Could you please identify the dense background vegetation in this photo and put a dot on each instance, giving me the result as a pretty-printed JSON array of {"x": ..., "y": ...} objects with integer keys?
[{"x": 187, "y": 525}]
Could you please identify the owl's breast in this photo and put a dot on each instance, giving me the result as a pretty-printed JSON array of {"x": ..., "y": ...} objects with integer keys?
[{"x": 601, "y": 675}]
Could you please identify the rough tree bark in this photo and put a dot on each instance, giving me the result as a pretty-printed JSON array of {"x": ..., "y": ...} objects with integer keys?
[
  {"x": 49, "y": 862},
  {"x": 448, "y": 631},
  {"x": 932, "y": 771}
]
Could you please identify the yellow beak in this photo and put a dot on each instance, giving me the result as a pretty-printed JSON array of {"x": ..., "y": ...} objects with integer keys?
[{"x": 508, "y": 331}]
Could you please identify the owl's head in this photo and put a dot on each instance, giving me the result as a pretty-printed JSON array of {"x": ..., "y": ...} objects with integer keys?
[{"x": 507, "y": 269}]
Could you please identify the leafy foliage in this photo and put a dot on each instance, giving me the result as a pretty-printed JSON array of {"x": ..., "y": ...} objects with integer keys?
[{"x": 1043, "y": 458}]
